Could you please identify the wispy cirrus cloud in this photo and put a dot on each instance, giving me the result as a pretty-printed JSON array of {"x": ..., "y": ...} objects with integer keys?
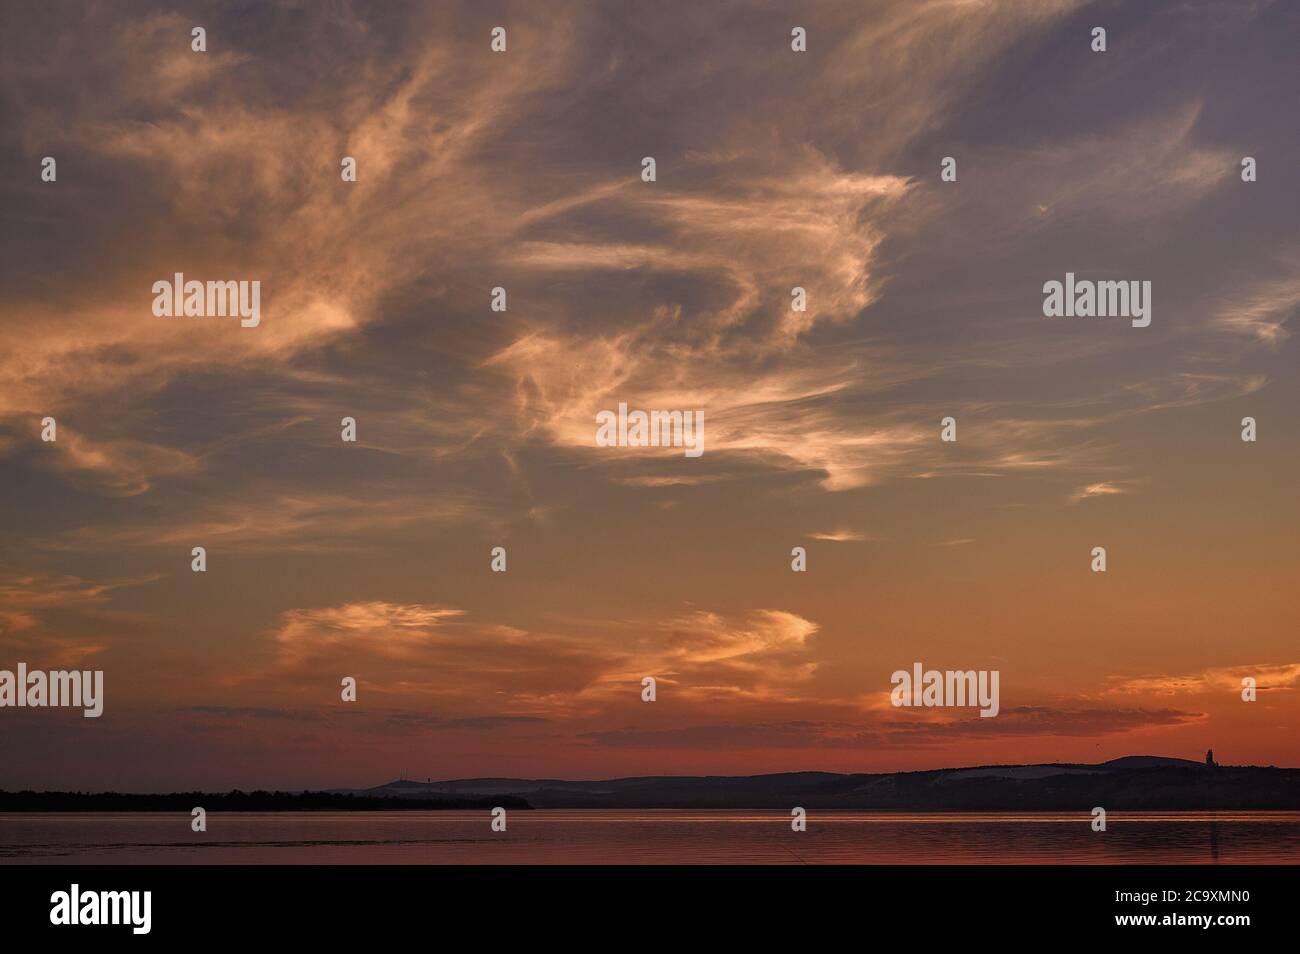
[
  {"x": 29, "y": 604},
  {"x": 1263, "y": 312},
  {"x": 305, "y": 522}
]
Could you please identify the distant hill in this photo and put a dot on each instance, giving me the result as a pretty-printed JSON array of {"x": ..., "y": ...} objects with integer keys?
[
  {"x": 1133, "y": 783},
  {"x": 1141, "y": 782},
  {"x": 1151, "y": 761}
]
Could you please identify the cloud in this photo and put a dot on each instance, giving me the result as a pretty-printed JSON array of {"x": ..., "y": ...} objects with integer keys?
[
  {"x": 1218, "y": 679},
  {"x": 24, "y": 593},
  {"x": 384, "y": 721},
  {"x": 838, "y": 536},
  {"x": 1262, "y": 311},
  {"x": 879, "y": 732},
  {"x": 387, "y": 630},
  {"x": 269, "y": 519},
  {"x": 28, "y": 601},
  {"x": 714, "y": 246},
  {"x": 116, "y": 468},
  {"x": 418, "y": 652},
  {"x": 239, "y": 173},
  {"x": 705, "y": 637},
  {"x": 1100, "y": 489},
  {"x": 251, "y": 712}
]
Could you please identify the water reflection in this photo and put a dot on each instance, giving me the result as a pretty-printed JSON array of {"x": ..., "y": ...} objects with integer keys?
[{"x": 653, "y": 837}]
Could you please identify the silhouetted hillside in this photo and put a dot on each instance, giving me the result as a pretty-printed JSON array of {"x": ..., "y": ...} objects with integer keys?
[{"x": 1134, "y": 783}]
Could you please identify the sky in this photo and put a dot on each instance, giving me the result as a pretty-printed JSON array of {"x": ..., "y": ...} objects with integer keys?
[{"x": 476, "y": 428}]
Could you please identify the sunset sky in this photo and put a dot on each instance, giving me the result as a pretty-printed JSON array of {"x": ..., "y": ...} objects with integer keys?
[{"x": 477, "y": 428}]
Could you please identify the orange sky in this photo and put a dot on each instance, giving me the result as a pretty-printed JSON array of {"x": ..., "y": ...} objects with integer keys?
[{"x": 476, "y": 428}]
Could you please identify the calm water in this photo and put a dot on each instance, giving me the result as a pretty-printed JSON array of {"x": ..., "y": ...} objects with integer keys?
[{"x": 650, "y": 837}]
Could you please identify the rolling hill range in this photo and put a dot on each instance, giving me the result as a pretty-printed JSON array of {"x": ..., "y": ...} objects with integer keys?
[{"x": 1149, "y": 783}]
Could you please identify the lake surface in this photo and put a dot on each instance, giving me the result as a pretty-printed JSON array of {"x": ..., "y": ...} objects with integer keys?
[{"x": 650, "y": 837}]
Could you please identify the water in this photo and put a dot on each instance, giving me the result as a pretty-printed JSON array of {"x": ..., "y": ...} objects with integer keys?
[{"x": 650, "y": 837}]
